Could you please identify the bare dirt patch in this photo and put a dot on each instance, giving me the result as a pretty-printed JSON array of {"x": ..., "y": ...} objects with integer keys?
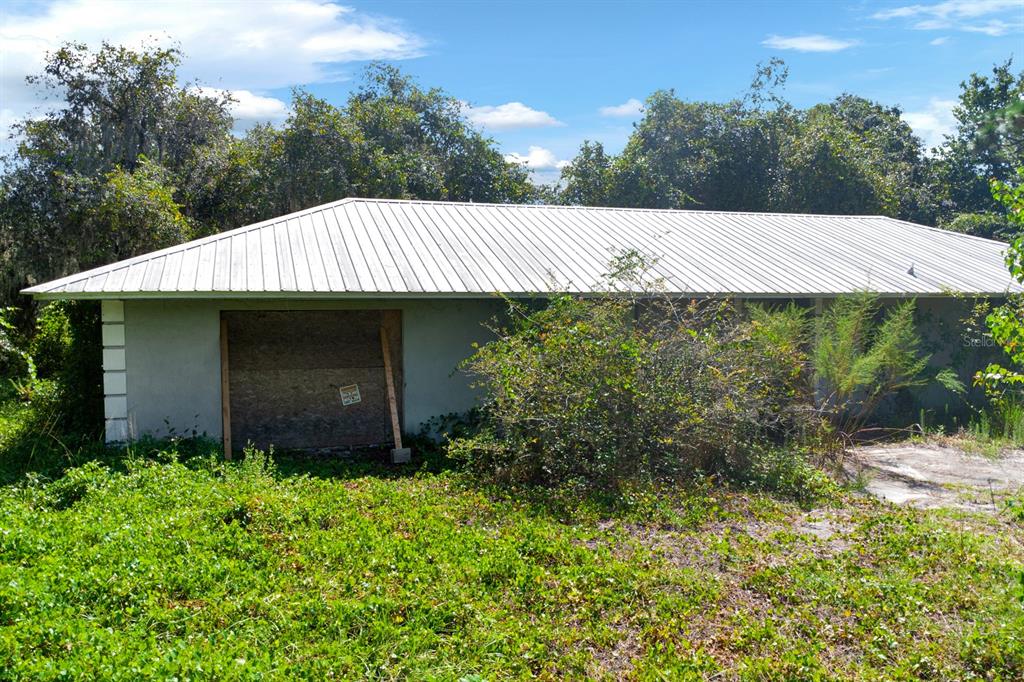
[{"x": 931, "y": 476}]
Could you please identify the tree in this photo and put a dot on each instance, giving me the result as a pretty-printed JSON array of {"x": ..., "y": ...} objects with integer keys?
[
  {"x": 588, "y": 178},
  {"x": 699, "y": 155},
  {"x": 230, "y": 182},
  {"x": 828, "y": 168},
  {"x": 986, "y": 145},
  {"x": 898, "y": 159},
  {"x": 119, "y": 105},
  {"x": 124, "y": 201},
  {"x": 420, "y": 144},
  {"x": 315, "y": 158},
  {"x": 758, "y": 153},
  {"x": 391, "y": 140},
  {"x": 987, "y": 225},
  {"x": 89, "y": 182}
]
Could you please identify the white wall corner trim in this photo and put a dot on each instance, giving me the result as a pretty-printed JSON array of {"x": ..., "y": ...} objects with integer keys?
[{"x": 115, "y": 376}]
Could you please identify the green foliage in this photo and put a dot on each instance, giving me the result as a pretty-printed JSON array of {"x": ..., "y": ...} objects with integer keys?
[
  {"x": 392, "y": 139},
  {"x": 713, "y": 156},
  {"x": 14, "y": 360},
  {"x": 588, "y": 177},
  {"x": 1006, "y": 322},
  {"x": 849, "y": 156},
  {"x": 859, "y": 361},
  {"x": 983, "y": 148},
  {"x": 604, "y": 392},
  {"x": 852, "y": 156},
  {"x": 130, "y": 199},
  {"x": 1001, "y": 424},
  {"x": 789, "y": 472},
  {"x": 987, "y": 225},
  {"x": 52, "y": 339},
  {"x": 60, "y": 406},
  {"x": 92, "y": 181},
  {"x": 164, "y": 566},
  {"x": 81, "y": 377}
]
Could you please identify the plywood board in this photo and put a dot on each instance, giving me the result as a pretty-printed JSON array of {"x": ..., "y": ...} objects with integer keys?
[{"x": 288, "y": 369}]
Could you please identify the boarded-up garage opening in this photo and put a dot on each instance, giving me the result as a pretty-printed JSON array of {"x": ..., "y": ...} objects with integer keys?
[{"x": 311, "y": 379}]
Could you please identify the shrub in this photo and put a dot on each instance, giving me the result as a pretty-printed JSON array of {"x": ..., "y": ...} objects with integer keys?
[
  {"x": 15, "y": 363},
  {"x": 51, "y": 343},
  {"x": 862, "y": 356},
  {"x": 67, "y": 348},
  {"x": 789, "y": 471},
  {"x": 58, "y": 416},
  {"x": 81, "y": 377},
  {"x": 607, "y": 390}
]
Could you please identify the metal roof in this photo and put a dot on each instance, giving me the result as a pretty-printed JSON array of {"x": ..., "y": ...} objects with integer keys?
[{"x": 375, "y": 247}]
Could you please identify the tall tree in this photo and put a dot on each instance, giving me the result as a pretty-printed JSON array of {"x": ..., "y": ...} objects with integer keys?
[
  {"x": 392, "y": 139},
  {"x": 981, "y": 149},
  {"x": 420, "y": 144},
  {"x": 92, "y": 180},
  {"x": 588, "y": 177},
  {"x": 758, "y": 153},
  {"x": 699, "y": 155}
]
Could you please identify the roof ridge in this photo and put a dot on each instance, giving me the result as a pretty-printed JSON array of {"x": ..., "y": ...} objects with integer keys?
[{"x": 698, "y": 211}]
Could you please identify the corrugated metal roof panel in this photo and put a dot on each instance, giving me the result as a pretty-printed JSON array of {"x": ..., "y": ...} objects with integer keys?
[{"x": 371, "y": 247}]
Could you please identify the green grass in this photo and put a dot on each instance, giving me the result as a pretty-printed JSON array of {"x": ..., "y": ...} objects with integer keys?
[
  {"x": 163, "y": 562},
  {"x": 156, "y": 568}
]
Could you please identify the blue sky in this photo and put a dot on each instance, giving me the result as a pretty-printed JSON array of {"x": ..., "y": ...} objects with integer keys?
[{"x": 540, "y": 77}]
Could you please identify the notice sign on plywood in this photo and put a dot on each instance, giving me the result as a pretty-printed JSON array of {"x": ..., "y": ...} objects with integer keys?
[{"x": 350, "y": 394}]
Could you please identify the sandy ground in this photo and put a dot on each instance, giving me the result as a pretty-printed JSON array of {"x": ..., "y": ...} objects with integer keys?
[{"x": 936, "y": 476}]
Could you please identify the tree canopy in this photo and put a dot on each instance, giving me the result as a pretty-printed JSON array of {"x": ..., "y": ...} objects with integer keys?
[{"x": 850, "y": 155}]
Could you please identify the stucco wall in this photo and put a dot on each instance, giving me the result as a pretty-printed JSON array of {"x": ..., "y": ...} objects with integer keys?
[
  {"x": 172, "y": 358},
  {"x": 940, "y": 322}
]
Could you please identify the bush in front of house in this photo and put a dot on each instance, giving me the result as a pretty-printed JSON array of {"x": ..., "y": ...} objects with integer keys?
[
  {"x": 603, "y": 391},
  {"x": 600, "y": 392},
  {"x": 863, "y": 353}
]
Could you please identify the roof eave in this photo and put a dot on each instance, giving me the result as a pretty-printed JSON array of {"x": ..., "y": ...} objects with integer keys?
[{"x": 363, "y": 295}]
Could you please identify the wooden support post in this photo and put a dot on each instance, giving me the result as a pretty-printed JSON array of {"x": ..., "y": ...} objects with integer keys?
[
  {"x": 225, "y": 390},
  {"x": 399, "y": 454}
]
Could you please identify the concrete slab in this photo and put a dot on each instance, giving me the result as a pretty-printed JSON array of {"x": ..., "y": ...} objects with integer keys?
[{"x": 924, "y": 475}]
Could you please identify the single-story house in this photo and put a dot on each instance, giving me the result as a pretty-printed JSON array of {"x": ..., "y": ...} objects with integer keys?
[{"x": 342, "y": 324}]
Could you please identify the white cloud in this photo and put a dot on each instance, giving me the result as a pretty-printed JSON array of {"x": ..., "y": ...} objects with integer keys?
[
  {"x": 249, "y": 108},
  {"x": 241, "y": 46},
  {"x": 941, "y": 40},
  {"x": 933, "y": 122},
  {"x": 508, "y": 116},
  {"x": 994, "y": 28},
  {"x": 808, "y": 43},
  {"x": 961, "y": 15},
  {"x": 631, "y": 107},
  {"x": 538, "y": 159}
]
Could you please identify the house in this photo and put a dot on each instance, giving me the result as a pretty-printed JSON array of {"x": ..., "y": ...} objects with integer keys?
[{"x": 341, "y": 324}]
